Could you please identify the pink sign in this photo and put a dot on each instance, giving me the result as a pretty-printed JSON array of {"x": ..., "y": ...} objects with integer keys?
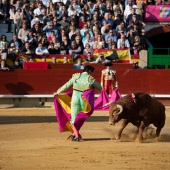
[{"x": 157, "y": 13}]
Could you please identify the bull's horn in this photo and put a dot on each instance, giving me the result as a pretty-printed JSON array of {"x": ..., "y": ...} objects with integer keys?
[
  {"x": 107, "y": 104},
  {"x": 120, "y": 111}
]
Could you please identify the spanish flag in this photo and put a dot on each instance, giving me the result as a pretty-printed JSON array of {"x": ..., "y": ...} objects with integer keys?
[{"x": 120, "y": 55}]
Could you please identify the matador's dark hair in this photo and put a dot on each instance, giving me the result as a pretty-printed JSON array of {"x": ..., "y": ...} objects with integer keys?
[{"x": 88, "y": 68}]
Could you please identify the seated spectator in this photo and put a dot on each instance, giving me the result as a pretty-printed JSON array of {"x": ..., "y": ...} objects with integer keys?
[
  {"x": 52, "y": 38},
  {"x": 100, "y": 59},
  {"x": 90, "y": 58},
  {"x": 3, "y": 44},
  {"x": 79, "y": 43},
  {"x": 50, "y": 27},
  {"x": 109, "y": 43},
  {"x": 111, "y": 35},
  {"x": 74, "y": 50},
  {"x": 63, "y": 49},
  {"x": 44, "y": 41},
  {"x": 31, "y": 39},
  {"x": 105, "y": 28},
  {"x": 65, "y": 58},
  {"x": 108, "y": 20},
  {"x": 87, "y": 49},
  {"x": 99, "y": 41},
  {"x": 53, "y": 60},
  {"x": 3, "y": 65},
  {"x": 53, "y": 50},
  {"x": 82, "y": 22},
  {"x": 16, "y": 41},
  {"x": 12, "y": 52},
  {"x": 37, "y": 28},
  {"x": 40, "y": 50},
  {"x": 88, "y": 40},
  {"x": 16, "y": 65},
  {"x": 84, "y": 31},
  {"x": 137, "y": 47},
  {"x": 123, "y": 39},
  {"x": 79, "y": 64},
  {"x": 71, "y": 32},
  {"x": 27, "y": 49}
]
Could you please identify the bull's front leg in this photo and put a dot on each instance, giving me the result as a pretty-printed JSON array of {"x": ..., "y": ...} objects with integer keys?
[
  {"x": 124, "y": 124},
  {"x": 141, "y": 129}
]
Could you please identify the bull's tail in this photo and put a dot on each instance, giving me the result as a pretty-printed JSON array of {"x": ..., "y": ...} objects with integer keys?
[{"x": 107, "y": 104}]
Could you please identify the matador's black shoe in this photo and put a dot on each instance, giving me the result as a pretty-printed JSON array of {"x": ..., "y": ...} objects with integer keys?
[{"x": 76, "y": 139}]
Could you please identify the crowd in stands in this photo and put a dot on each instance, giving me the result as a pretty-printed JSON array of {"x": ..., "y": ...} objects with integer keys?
[{"x": 74, "y": 27}]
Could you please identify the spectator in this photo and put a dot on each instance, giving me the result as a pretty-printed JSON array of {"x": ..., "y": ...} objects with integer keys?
[
  {"x": 84, "y": 31},
  {"x": 82, "y": 22},
  {"x": 111, "y": 35},
  {"x": 88, "y": 40},
  {"x": 87, "y": 49},
  {"x": 106, "y": 18},
  {"x": 17, "y": 21},
  {"x": 100, "y": 41},
  {"x": 50, "y": 27},
  {"x": 79, "y": 64},
  {"x": 53, "y": 50},
  {"x": 16, "y": 41},
  {"x": 16, "y": 65},
  {"x": 74, "y": 50},
  {"x": 3, "y": 44},
  {"x": 40, "y": 50},
  {"x": 90, "y": 58},
  {"x": 52, "y": 38},
  {"x": 31, "y": 39},
  {"x": 100, "y": 59},
  {"x": 12, "y": 52},
  {"x": 27, "y": 49},
  {"x": 38, "y": 10},
  {"x": 65, "y": 60},
  {"x": 23, "y": 32},
  {"x": 3, "y": 65},
  {"x": 2, "y": 12},
  {"x": 53, "y": 59},
  {"x": 123, "y": 39},
  {"x": 12, "y": 12}
]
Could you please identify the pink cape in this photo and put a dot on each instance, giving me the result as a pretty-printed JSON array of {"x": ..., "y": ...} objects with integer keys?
[
  {"x": 103, "y": 99},
  {"x": 62, "y": 103}
]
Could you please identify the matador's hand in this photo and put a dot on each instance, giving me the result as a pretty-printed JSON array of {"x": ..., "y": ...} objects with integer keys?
[{"x": 54, "y": 94}]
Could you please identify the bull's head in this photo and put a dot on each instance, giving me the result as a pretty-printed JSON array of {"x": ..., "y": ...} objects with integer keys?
[{"x": 114, "y": 113}]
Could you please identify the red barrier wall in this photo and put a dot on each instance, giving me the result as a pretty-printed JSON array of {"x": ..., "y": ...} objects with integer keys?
[{"x": 48, "y": 81}]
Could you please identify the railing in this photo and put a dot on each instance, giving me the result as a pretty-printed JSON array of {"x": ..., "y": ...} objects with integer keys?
[{"x": 159, "y": 58}]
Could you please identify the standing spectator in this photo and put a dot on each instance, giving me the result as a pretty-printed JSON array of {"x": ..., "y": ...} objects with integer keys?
[
  {"x": 23, "y": 32},
  {"x": 17, "y": 21},
  {"x": 12, "y": 12}
]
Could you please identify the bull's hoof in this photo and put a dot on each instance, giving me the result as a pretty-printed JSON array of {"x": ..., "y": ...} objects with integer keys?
[
  {"x": 139, "y": 140},
  {"x": 117, "y": 137}
]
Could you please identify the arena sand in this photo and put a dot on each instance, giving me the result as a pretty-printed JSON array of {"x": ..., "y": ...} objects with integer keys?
[{"x": 30, "y": 140}]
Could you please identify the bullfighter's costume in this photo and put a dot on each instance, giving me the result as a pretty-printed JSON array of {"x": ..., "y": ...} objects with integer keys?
[
  {"x": 108, "y": 79},
  {"x": 82, "y": 100}
]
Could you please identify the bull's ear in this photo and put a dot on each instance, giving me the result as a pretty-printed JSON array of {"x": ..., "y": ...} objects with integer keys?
[{"x": 143, "y": 111}]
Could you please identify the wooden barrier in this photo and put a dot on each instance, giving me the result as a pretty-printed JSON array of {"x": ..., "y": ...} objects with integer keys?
[{"x": 22, "y": 82}]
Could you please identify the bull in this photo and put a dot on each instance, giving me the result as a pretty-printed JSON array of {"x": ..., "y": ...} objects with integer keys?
[{"x": 140, "y": 109}]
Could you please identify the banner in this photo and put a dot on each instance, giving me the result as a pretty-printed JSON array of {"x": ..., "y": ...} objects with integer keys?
[
  {"x": 123, "y": 56},
  {"x": 157, "y": 13}
]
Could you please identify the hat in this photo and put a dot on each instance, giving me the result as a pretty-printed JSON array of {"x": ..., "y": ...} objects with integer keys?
[{"x": 108, "y": 63}]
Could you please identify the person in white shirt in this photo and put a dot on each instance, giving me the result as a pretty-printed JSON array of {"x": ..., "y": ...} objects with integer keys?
[
  {"x": 123, "y": 39},
  {"x": 39, "y": 9},
  {"x": 40, "y": 50},
  {"x": 88, "y": 40}
]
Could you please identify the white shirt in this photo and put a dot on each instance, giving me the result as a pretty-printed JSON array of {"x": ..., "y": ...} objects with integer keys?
[{"x": 39, "y": 51}]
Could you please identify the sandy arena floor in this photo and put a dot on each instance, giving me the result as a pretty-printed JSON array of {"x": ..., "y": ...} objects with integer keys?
[{"x": 30, "y": 140}]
